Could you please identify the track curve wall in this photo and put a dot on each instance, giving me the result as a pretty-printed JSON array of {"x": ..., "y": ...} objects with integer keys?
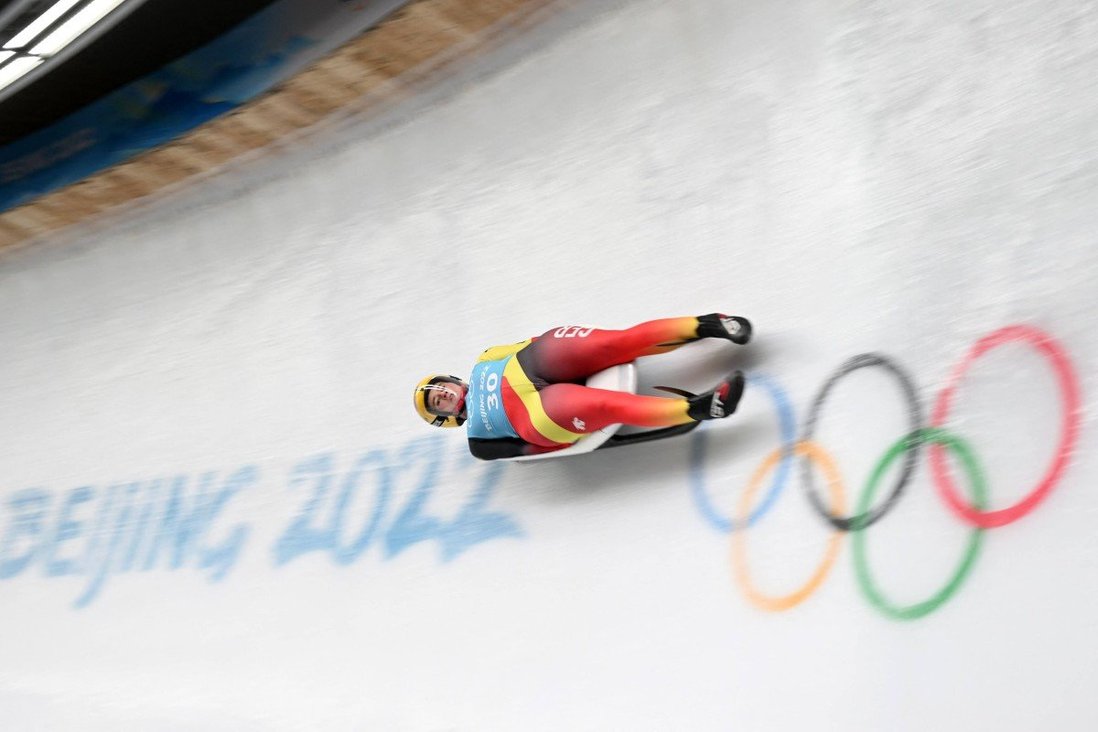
[
  {"x": 218, "y": 509},
  {"x": 148, "y": 138},
  {"x": 247, "y": 61}
]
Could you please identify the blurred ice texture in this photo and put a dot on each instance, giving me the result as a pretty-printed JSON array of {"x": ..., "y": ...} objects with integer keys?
[{"x": 891, "y": 177}]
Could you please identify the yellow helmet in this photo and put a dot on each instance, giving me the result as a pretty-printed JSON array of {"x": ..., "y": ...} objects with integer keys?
[{"x": 419, "y": 397}]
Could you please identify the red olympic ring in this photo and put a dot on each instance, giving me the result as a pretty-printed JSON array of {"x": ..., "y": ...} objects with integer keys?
[{"x": 1069, "y": 431}]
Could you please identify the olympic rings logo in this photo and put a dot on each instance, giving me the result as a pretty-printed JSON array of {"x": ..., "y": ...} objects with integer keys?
[{"x": 972, "y": 510}]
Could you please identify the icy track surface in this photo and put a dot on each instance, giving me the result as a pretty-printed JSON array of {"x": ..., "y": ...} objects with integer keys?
[{"x": 218, "y": 511}]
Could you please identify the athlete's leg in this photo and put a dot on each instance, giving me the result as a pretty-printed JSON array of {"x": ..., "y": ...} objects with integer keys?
[
  {"x": 583, "y": 409},
  {"x": 573, "y": 353}
]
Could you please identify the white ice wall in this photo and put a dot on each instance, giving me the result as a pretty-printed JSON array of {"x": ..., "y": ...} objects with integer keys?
[{"x": 218, "y": 511}]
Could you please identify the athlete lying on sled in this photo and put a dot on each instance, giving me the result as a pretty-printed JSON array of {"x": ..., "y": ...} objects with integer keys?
[{"x": 529, "y": 398}]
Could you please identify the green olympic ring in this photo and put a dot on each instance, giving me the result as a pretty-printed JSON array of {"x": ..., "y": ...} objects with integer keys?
[{"x": 978, "y": 490}]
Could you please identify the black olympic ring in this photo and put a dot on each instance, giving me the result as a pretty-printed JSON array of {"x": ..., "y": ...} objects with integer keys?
[{"x": 914, "y": 412}]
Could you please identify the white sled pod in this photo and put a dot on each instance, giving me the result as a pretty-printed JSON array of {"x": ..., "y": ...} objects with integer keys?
[{"x": 615, "y": 378}]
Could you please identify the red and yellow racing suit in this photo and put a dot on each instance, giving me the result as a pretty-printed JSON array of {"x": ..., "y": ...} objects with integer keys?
[{"x": 529, "y": 397}]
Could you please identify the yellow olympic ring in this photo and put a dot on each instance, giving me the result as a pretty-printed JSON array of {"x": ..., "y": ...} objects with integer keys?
[{"x": 813, "y": 452}]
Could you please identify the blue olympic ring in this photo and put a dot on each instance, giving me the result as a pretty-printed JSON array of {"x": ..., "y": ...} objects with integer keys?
[{"x": 787, "y": 425}]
